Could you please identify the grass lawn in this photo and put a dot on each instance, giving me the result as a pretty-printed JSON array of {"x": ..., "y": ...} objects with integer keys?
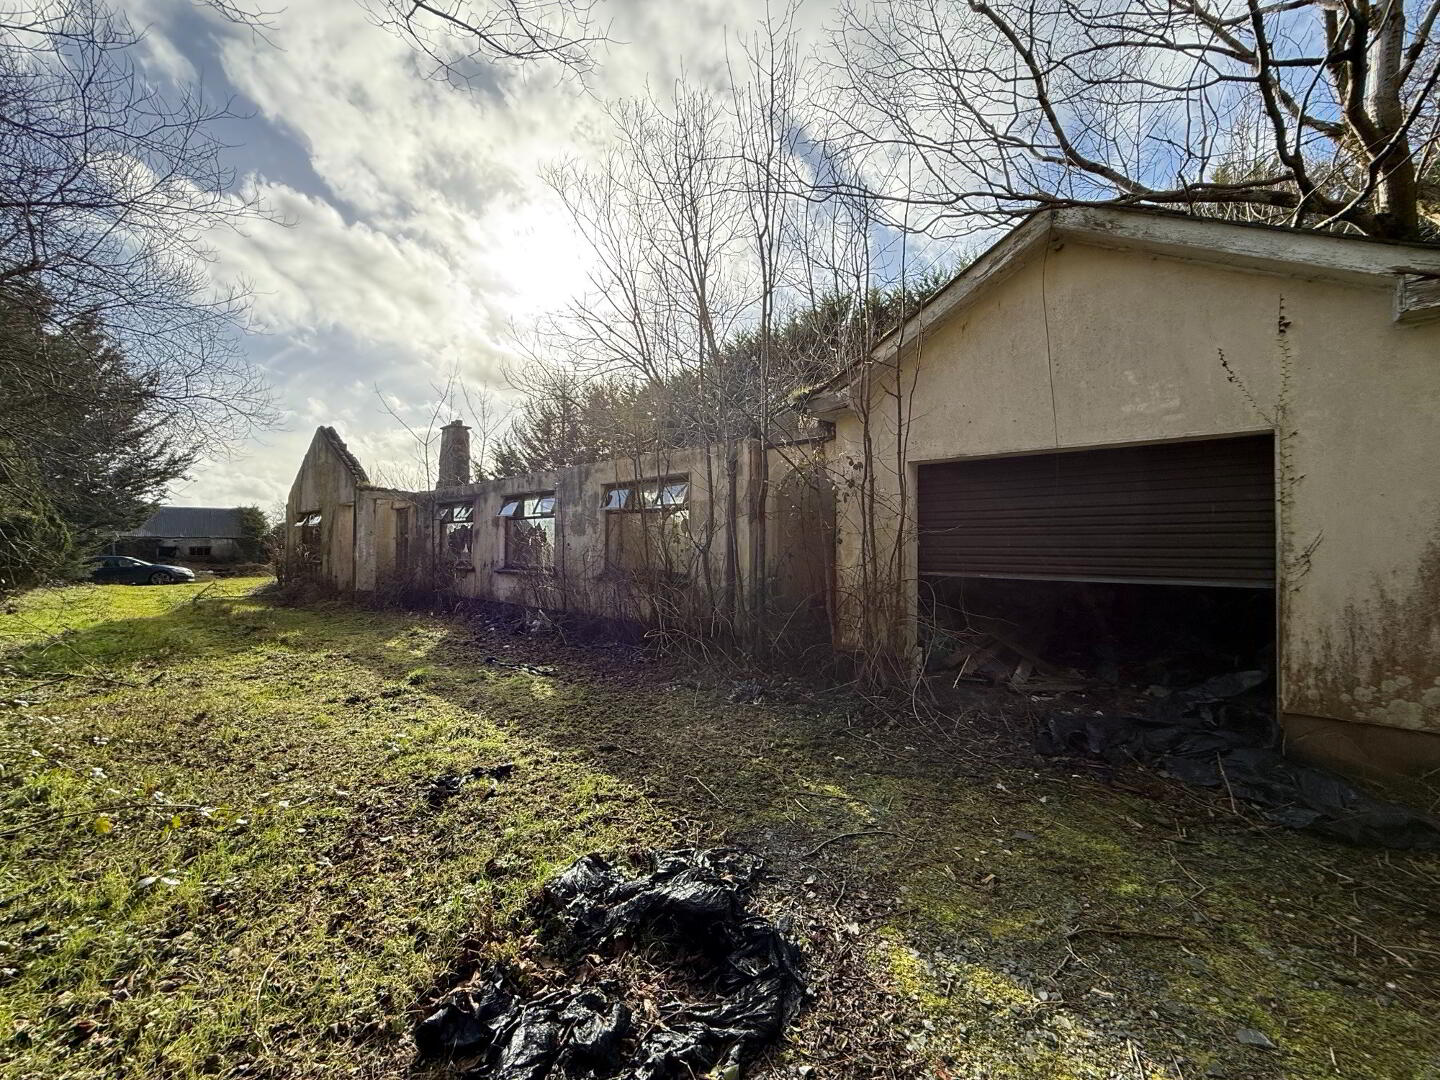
[{"x": 218, "y": 859}]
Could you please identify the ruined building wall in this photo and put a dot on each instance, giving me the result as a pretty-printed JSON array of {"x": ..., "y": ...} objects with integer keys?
[
  {"x": 688, "y": 563},
  {"x": 325, "y": 488}
]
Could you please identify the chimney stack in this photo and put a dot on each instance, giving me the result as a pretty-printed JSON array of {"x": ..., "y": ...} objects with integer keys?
[{"x": 454, "y": 455}]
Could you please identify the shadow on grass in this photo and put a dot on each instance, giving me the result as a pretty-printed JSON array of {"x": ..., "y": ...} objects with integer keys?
[
  {"x": 1000, "y": 884},
  {"x": 1036, "y": 914}
]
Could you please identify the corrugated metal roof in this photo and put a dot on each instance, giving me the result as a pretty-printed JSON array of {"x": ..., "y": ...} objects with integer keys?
[{"x": 191, "y": 521}]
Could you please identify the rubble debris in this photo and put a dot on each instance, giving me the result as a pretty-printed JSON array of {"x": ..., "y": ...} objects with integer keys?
[
  {"x": 1251, "y": 1037},
  {"x": 1096, "y": 634},
  {"x": 1200, "y": 700},
  {"x": 747, "y": 692},
  {"x": 528, "y": 669},
  {"x": 695, "y": 904},
  {"x": 986, "y": 650},
  {"x": 1293, "y": 794},
  {"x": 443, "y": 788}
]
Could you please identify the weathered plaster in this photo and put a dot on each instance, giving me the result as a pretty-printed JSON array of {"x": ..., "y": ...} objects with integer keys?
[
  {"x": 1084, "y": 345},
  {"x": 378, "y": 554},
  {"x": 1379, "y": 662}
]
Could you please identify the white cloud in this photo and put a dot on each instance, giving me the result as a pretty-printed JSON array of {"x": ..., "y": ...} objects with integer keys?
[
  {"x": 421, "y": 231},
  {"x": 321, "y": 273}
]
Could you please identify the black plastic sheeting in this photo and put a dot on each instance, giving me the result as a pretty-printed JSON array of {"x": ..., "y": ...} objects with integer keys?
[
  {"x": 697, "y": 904},
  {"x": 1291, "y": 793},
  {"x": 444, "y": 788}
]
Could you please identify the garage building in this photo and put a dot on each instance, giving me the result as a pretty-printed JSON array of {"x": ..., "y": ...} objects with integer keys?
[{"x": 1166, "y": 440}]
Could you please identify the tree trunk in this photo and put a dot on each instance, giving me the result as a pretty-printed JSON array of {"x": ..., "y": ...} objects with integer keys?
[{"x": 1397, "y": 198}]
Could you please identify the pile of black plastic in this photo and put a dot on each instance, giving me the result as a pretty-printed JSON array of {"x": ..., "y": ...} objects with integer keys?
[
  {"x": 1178, "y": 735},
  {"x": 693, "y": 903},
  {"x": 443, "y": 788}
]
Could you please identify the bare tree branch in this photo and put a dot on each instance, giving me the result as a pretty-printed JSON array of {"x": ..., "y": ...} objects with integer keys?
[
  {"x": 109, "y": 192},
  {"x": 1301, "y": 111},
  {"x": 461, "y": 37}
]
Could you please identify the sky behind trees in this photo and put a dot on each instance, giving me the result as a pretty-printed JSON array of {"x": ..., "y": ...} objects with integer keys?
[
  {"x": 412, "y": 240},
  {"x": 414, "y": 228}
]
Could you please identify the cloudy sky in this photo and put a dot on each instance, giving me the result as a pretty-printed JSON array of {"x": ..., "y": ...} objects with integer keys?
[{"x": 417, "y": 232}]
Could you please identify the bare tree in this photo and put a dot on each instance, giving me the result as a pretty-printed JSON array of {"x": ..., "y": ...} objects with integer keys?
[
  {"x": 1310, "y": 112},
  {"x": 663, "y": 218},
  {"x": 451, "y": 398},
  {"x": 108, "y": 189},
  {"x": 724, "y": 277},
  {"x": 479, "y": 409},
  {"x": 461, "y": 37},
  {"x": 767, "y": 146}
]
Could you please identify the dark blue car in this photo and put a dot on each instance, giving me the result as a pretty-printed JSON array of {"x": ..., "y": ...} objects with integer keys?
[{"x": 123, "y": 570}]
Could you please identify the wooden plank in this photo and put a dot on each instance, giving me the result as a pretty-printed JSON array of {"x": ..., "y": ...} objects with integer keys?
[{"x": 1418, "y": 298}]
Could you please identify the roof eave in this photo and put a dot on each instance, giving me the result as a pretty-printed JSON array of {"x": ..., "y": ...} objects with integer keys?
[
  {"x": 996, "y": 263},
  {"x": 1290, "y": 252}
]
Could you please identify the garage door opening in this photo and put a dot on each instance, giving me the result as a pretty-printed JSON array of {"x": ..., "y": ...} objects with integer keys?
[
  {"x": 1143, "y": 566},
  {"x": 1122, "y": 634}
]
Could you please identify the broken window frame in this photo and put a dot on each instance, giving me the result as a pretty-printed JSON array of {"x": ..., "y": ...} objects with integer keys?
[
  {"x": 642, "y": 496},
  {"x": 529, "y": 518},
  {"x": 308, "y": 547},
  {"x": 663, "y": 505},
  {"x": 457, "y": 531}
]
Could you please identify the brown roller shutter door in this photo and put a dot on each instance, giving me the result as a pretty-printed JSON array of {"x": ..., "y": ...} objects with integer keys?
[{"x": 1195, "y": 513}]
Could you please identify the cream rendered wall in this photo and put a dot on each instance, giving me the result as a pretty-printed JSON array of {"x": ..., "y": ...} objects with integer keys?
[
  {"x": 1086, "y": 346},
  {"x": 375, "y": 536}
]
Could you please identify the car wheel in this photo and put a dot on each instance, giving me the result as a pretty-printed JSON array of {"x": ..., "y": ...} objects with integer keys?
[{"x": 160, "y": 577}]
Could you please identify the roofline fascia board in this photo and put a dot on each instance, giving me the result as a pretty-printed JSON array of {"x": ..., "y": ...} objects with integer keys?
[
  {"x": 1288, "y": 252},
  {"x": 1293, "y": 252}
]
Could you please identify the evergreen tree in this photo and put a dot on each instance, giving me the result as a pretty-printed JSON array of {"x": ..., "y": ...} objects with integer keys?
[
  {"x": 88, "y": 446},
  {"x": 566, "y": 421},
  {"x": 255, "y": 526}
]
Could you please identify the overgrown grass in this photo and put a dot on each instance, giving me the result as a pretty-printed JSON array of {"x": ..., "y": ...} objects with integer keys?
[
  {"x": 217, "y": 856},
  {"x": 219, "y": 859}
]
